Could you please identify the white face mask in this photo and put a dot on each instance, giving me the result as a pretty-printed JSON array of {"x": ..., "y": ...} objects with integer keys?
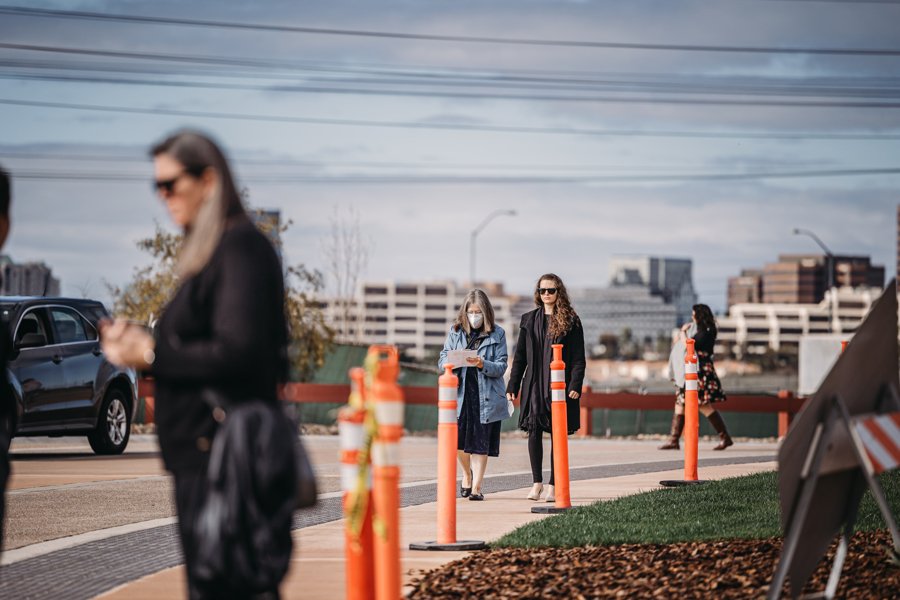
[{"x": 475, "y": 319}]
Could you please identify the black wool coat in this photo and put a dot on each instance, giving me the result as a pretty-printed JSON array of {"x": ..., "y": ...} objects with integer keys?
[
  {"x": 531, "y": 373},
  {"x": 223, "y": 333}
]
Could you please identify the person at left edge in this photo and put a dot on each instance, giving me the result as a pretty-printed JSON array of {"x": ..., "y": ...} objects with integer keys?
[
  {"x": 7, "y": 402},
  {"x": 481, "y": 400}
]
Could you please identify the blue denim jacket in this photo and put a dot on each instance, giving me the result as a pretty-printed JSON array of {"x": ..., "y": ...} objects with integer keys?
[{"x": 491, "y": 388}]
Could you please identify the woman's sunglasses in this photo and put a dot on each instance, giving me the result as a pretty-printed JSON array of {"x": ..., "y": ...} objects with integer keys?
[
  {"x": 166, "y": 187},
  {"x": 543, "y": 291}
]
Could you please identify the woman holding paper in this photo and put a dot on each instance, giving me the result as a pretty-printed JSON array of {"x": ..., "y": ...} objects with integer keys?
[
  {"x": 554, "y": 321},
  {"x": 481, "y": 404}
]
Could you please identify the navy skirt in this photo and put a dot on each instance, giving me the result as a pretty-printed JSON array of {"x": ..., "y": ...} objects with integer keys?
[{"x": 474, "y": 436}]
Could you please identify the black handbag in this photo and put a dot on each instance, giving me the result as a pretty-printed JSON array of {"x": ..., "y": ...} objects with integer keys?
[
  {"x": 258, "y": 474},
  {"x": 307, "y": 488}
]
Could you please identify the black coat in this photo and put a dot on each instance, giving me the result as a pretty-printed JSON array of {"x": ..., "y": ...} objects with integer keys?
[
  {"x": 531, "y": 373},
  {"x": 224, "y": 331}
]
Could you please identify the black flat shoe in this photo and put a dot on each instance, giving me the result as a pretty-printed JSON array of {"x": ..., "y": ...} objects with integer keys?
[
  {"x": 476, "y": 497},
  {"x": 464, "y": 492}
]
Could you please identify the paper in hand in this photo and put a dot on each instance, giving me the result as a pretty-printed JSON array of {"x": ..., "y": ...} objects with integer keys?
[{"x": 457, "y": 358}]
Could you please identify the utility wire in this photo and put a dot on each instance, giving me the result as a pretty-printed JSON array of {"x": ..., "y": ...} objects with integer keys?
[
  {"x": 311, "y": 89},
  {"x": 433, "y": 72},
  {"x": 480, "y": 179},
  {"x": 149, "y": 20},
  {"x": 287, "y": 162},
  {"x": 773, "y": 135},
  {"x": 839, "y": 88}
]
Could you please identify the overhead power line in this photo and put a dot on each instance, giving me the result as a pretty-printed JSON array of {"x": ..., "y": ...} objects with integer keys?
[
  {"x": 773, "y": 135},
  {"x": 151, "y": 20},
  {"x": 431, "y": 75},
  {"x": 480, "y": 179},
  {"x": 319, "y": 89}
]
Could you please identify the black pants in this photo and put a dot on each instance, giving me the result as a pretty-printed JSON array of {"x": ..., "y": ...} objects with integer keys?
[
  {"x": 190, "y": 494},
  {"x": 536, "y": 455}
]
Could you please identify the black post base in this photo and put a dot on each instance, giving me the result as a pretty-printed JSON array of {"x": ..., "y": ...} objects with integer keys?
[
  {"x": 461, "y": 546},
  {"x": 548, "y": 510},
  {"x": 679, "y": 482}
]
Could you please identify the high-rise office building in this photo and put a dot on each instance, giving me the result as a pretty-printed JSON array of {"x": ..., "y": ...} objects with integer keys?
[
  {"x": 803, "y": 278},
  {"x": 669, "y": 278},
  {"x": 746, "y": 287},
  {"x": 26, "y": 279},
  {"x": 613, "y": 310}
]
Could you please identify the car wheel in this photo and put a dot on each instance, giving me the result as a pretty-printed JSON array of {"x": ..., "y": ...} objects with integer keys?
[{"x": 114, "y": 425}]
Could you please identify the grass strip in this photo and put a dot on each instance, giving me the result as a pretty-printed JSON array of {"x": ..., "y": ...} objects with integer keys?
[{"x": 734, "y": 508}]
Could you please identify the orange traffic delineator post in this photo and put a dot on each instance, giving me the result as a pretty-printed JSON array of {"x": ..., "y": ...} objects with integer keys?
[
  {"x": 448, "y": 434},
  {"x": 388, "y": 403},
  {"x": 356, "y": 483},
  {"x": 691, "y": 419},
  {"x": 844, "y": 345},
  {"x": 560, "y": 435}
]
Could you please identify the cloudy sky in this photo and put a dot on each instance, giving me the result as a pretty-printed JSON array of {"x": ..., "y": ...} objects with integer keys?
[{"x": 706, "y": 129}]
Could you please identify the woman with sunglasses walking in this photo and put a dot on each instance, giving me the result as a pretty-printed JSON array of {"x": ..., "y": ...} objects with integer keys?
[
  {"x": 481, "y": 404},
  {"x": 553, "y": 322},
  {"x": 223, "y": 337}
]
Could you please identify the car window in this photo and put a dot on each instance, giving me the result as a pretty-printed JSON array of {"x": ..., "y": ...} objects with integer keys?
[
  {"x": 69, "y": 326},
  {"x": 30, "y": 323}
]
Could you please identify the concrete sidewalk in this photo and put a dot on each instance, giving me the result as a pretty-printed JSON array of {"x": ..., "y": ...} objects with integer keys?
[{"x": 317, "y": 569}]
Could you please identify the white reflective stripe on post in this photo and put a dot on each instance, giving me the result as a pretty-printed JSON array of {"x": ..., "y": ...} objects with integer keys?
[
  {"x": 447, "y": 415},
  {"x": 690, "y": 385},
  {"x": 349, "y": 474},
  {"x": 446, "y": 393},
  {"x": 690, "y": 367},
  {"x": 351, "y": 435},
  {"x": 385, "y": 454},
  {"x": 557, "y": 376},
  {"x": 389, "y": 413},
  {"x": 558, "y": 395}
]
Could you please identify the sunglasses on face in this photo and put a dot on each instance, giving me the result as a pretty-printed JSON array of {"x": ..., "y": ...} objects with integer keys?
[
  {"x": 166, "y": 187},
  {"x": 543, "y": 291}
]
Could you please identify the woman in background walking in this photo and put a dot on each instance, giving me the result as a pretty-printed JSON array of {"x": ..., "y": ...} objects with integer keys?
[
  {"x": 481, "y": 404},
  {"x": 553, "y": 322},
  {"x": 709, "y": 388}
]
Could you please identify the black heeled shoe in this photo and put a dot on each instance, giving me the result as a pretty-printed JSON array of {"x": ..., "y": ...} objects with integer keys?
[
  {"x": 476, "y": 497},
  {"x": 465, "y": 492}
]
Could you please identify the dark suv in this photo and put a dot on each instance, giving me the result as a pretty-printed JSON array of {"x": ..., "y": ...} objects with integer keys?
[{"x": 62, "y": 383}]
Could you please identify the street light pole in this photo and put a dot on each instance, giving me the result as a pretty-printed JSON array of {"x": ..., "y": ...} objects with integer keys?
[
  {"x": 828, "y": 255},
  {"x": 476, "y": 231}
]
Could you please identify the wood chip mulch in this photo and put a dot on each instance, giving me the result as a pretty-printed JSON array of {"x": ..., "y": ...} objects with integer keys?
[{"x": 722, "y": 569}]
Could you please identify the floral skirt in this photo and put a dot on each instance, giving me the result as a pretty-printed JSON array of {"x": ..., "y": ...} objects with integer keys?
[{"x": 709, "y": 388}]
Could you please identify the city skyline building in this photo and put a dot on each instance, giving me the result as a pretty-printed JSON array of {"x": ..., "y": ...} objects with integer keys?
[
  {"x": 803, "y": 278},
  {"x": 613, "y": 310},
  {"x": 413, "y": 315},
  {"x": 27, "y": 279},
  {"x": 754, "y": 328},
  {"x": 669, "y": 278},
  {"x": 745, "y": 288}
]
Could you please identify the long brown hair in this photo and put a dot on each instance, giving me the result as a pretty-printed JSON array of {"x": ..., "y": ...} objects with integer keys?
[
  {"x": 563, "y": 317},
  {"x": 197, "y": 152},
  {"x": 705, "y": 319}
]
